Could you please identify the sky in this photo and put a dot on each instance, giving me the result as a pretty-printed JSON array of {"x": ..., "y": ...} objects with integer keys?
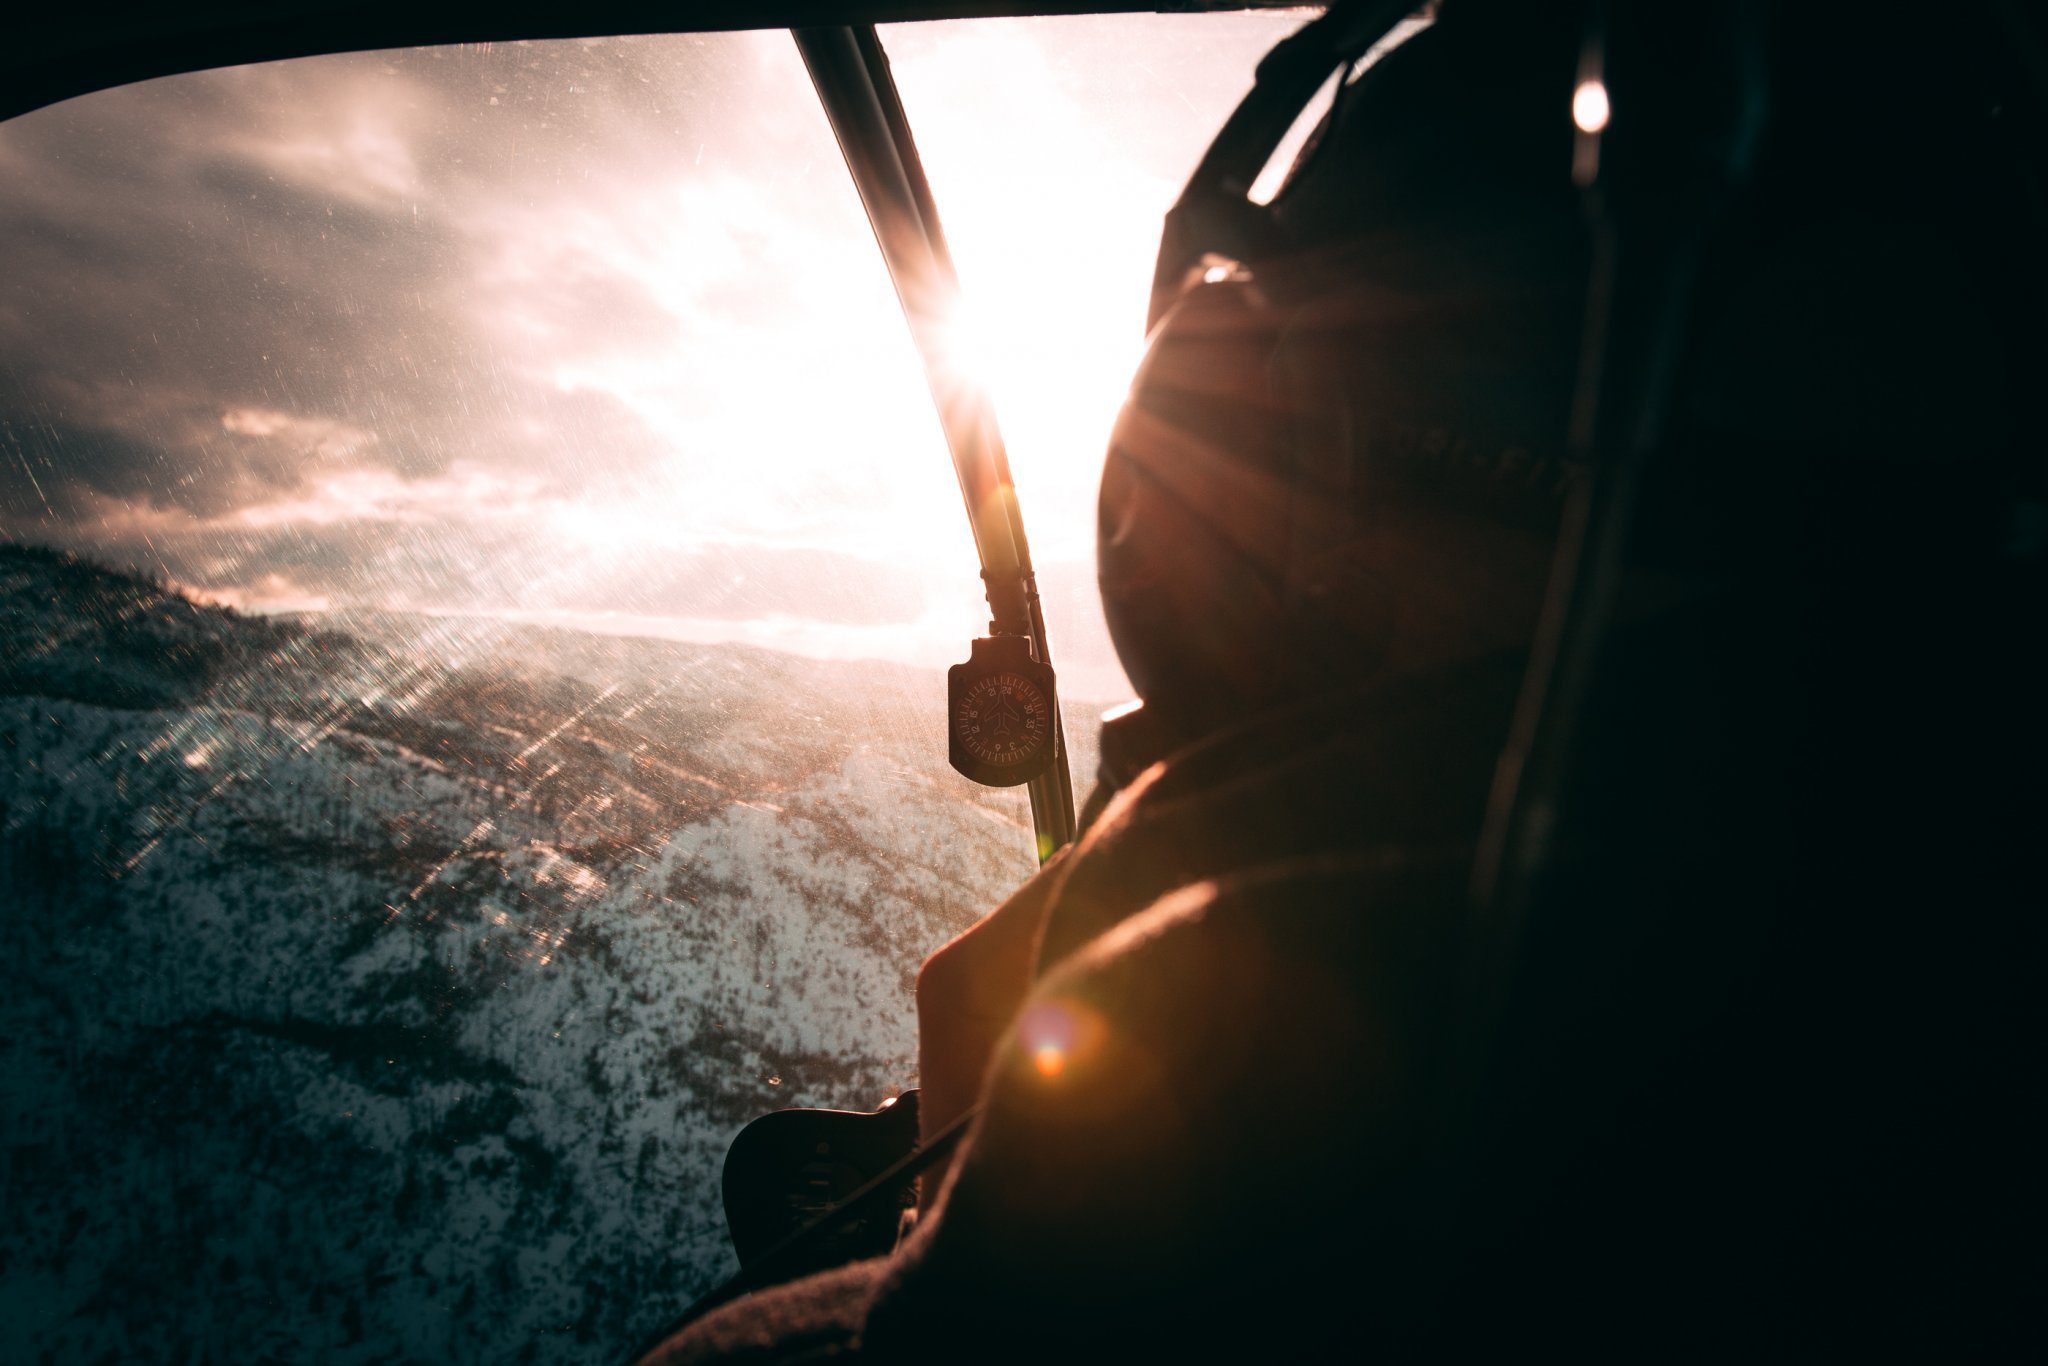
[{"x": 589, "y": 333}]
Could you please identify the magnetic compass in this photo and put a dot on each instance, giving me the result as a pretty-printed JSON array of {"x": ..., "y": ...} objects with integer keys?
[{"x": 999, "y": 713}]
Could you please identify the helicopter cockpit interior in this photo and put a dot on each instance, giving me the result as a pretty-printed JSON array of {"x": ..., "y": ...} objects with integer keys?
[{"x": 520, "y": 636}]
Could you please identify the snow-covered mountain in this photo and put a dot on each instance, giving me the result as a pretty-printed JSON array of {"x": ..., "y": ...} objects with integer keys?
[{"x": 391, "y": 993}]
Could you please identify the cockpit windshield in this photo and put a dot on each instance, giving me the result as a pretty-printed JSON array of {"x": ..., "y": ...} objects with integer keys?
[{"x": 476, "y": 557}]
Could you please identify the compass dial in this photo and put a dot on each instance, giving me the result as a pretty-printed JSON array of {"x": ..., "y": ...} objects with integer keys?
[{"x": 1003, "y": 719}]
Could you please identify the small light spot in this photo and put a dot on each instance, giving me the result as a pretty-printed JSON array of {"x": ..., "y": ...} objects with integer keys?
[
  {"x": 775, "y": 1081},
  {"x": 1590, "y": 110},
  {"x": 1056, "y": 1037}
]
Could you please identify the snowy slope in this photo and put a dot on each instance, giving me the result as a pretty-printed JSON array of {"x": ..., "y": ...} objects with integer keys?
[{"x": 392, "y": 995}]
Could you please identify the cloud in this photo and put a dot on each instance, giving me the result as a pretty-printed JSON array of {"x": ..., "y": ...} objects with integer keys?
[
  {"x": 267, "y": 593},
  {"x": 592, "y": 327},
  {"x": 322, "y": 436},
  {"x": 361, "y": 152},
  {"x": 235, "y": 281},
  {"x": 238, "y": 286}
]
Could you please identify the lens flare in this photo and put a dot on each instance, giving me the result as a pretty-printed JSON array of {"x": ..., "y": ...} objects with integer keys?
[
  {"x": 1590, "y": 110},
  {"x": 1059, "y": 1039}
]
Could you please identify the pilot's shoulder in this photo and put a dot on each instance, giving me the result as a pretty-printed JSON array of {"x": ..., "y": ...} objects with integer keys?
[
  {"x": 1205, "y": 984},
  {"x": 815, "y": 1319},
  {"x": 1220, "y": 1077}
]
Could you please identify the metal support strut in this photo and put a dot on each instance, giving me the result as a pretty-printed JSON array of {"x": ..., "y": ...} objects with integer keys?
[{"x": 851, "y": 73}]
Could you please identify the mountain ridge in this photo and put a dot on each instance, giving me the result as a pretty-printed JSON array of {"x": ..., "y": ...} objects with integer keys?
[{"x": 375, "y": 1007}]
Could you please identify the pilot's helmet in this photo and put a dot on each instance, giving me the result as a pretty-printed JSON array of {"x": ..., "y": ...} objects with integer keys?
[{"x": 1348, "y": 454}]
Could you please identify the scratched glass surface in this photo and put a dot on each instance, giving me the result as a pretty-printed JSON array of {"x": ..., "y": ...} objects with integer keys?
[{"x": 476, "y": 558}]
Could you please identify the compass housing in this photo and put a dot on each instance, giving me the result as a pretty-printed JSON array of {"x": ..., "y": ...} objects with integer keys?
[{"x": 1001, "y": 707}]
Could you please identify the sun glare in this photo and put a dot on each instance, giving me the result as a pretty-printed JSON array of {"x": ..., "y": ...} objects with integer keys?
[
  {"x": 1590, "y": 110},
  {"x": 1052, "y": 164},
  {"x": 1055, "y": 354},
  {"x": 624, "y": 312}
]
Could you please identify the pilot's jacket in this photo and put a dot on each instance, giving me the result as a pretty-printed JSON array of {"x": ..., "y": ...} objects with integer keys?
[
  {"x": 1213, "y": 1121},
  {"x": 1751, "y": 1087}
]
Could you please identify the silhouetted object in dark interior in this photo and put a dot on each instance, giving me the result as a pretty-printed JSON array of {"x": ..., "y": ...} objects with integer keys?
[{"x": 1627, "y": 961}]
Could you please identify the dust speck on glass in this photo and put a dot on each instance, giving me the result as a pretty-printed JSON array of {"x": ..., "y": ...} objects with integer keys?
[{"x": 477, "y": 562}]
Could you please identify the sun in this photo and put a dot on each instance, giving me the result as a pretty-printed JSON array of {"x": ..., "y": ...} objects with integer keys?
[{"x": 1052, "y": 344}]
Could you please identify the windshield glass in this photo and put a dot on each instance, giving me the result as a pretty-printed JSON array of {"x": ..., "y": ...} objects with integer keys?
[
  {"x": 477, "y": 555},
  {"x": 1055, "y": 147}
]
